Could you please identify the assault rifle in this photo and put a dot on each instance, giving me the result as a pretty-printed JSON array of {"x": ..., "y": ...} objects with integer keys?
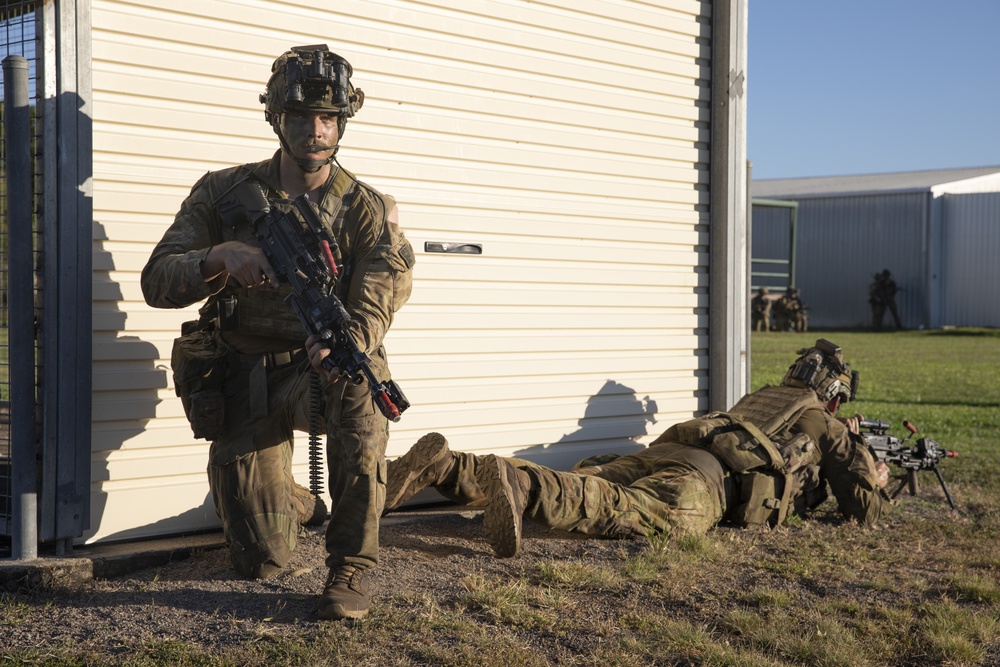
[
  {"x": 890, "y": 449},
  {"x": 303, "y": 255}
]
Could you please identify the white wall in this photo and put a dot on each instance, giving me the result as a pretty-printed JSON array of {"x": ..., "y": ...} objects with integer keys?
[{"x": 569, "y": 138}]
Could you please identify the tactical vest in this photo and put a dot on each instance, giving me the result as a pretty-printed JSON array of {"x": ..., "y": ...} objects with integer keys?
[
  {"x": 753, "y": 440},
  {"x": 264, "y": 312}
]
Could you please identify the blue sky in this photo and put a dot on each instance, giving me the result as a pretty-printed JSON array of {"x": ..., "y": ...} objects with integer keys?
[{"x": 871, "y": 86}]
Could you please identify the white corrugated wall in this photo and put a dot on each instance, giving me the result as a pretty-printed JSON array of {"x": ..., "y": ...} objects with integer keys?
[{"x": 568, "y": 137}]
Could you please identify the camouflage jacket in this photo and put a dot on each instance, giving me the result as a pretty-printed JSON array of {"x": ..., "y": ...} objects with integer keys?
[
  {"x": 839, "y": 460},
  {"x": 846, "y": 465},
  {"x": 377, "y": 258},
  {"x": 760, "y": 304}
]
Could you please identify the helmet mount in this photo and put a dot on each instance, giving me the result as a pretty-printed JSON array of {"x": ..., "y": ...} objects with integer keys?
[{"x": 822, "y": 369}]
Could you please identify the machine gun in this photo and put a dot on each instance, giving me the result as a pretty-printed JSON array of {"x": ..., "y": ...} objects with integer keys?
[
  {"x": 890, "y": 449},
  {"x": 303, "y": 255}
]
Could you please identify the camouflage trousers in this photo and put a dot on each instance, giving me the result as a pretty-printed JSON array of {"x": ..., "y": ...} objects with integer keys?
[
  {"x": 250, "y": 471},
  {"x": 664, "y": 488}
]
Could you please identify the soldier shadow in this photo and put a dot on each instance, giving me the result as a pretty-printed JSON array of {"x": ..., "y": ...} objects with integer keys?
[
  {"x": 613, "y": 422},
  {"x": 128, "y": 378}
]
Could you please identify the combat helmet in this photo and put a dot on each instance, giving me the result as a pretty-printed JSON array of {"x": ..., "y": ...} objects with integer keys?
[
  {"x": 822, "y": 369},
  {"x": 311, "y": 78}
]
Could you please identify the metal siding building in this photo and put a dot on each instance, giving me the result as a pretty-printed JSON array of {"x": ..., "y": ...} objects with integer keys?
[
  {"x": 927, "y": 228},
  {"x": 970, "y": 259},
  {"x": 576, "y": 141}
]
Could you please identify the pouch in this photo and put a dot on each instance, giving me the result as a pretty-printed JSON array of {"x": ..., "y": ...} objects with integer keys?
[
  {"x": 761, "y": 496},
  {"x": 201, "y": 362},
  {"x": 742, "y": 450},
  {"x": 699, "y": 432}
]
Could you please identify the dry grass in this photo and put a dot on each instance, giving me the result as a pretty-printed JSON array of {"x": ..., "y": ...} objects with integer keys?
[{"x": 921, "y": 589}]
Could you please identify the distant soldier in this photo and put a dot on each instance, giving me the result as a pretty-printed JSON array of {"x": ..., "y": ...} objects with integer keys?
[
  {"x": 790, "y": 312},
  {"x": 801, "y": 318},
  {"x": 882, "y": 295},
  {"x": 760, "y": 310}
]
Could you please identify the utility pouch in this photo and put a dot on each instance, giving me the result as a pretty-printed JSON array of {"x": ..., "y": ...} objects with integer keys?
[
  {"x": 740, "y": 451},
  {"x": 698, "y": 432},
  {"x": 201, "y": 362},
  {"x": 746, "y": 448},
  {"x": 761, "y": 499},
  {"x": 206, "y": 412},
  {"x": 799, "y": 452},
  {"x": 767, "y": 492}
]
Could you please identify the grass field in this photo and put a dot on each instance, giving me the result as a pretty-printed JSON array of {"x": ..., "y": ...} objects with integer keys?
[
  {"x": 946, "y": 382},
  {"x": 923, "y": 588}
]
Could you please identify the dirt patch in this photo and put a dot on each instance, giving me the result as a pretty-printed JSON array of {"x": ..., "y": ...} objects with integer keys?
[{"x": 201, "y": 600}]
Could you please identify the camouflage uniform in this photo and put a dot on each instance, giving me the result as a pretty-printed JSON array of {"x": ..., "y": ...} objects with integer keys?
[
  {"x": 790, "y": 312},
  {"x": 760, "y": 311},
  {"x": 267, "y": 391},
  {"x": 662, "y": 487},
  {"x": 682, "y": 483},
  {"x": 882, "y": 296}
]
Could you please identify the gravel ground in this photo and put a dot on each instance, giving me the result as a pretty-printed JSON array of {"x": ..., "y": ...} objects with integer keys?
[{"x": 200, "y": 599}]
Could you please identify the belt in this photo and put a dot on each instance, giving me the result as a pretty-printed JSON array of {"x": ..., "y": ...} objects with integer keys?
[
  {"x": 259, "y": 365},
  {"x": 274, "y": 360},
  {"x": 279, "y": 359}
]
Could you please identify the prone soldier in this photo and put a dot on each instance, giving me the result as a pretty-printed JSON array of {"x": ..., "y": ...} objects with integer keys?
[{"x": 773, "y": 454}]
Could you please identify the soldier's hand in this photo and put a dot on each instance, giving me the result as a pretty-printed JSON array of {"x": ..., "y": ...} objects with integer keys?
[
  {"x": 853, "y": 424},
  {"x": 318, "y": 351},
  {"x": 881, "y": 474},
  {"x": 245, "y": 264}
]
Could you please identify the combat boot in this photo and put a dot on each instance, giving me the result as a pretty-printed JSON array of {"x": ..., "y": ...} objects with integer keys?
[
  {"x": 506, "y": 491},
  {"x": 311, "y": 509},
  {"x": 347, "y": 594},
  {"x": 427, "y": 463}
]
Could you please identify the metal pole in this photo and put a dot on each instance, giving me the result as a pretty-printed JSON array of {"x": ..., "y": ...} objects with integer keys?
[
  {"x": 794, "y": 242},
  {"x": 20, "y": 301},
  {"x": 748, "y": 367},
  {"x": 727, "y": 289}
]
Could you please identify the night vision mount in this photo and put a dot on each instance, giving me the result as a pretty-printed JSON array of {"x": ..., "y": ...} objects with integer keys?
[
  {"x": 811, "y": 369},
  {"x": 314, "y": 72}
]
